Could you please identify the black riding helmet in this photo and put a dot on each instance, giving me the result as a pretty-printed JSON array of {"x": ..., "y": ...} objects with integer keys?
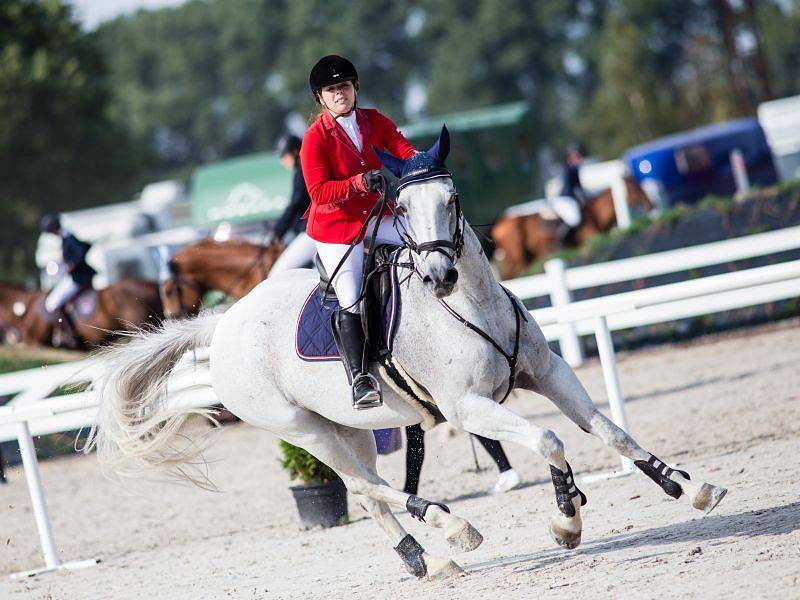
[
  {"x": 329, "y": 70},
  {"x": 288, "y": 144},
  {"x": 50, "y": 223}
]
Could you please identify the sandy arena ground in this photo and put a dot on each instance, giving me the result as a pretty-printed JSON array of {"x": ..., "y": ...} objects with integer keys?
[{"x": 725, "y": 408}]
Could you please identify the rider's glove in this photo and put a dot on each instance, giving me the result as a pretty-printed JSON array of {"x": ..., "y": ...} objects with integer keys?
[{"x": 373, "y": 180}]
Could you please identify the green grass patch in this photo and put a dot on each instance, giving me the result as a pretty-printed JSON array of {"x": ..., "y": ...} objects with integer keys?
[
  {"x": 719, "y": 204},
  {"x": 10, "y": 363}
]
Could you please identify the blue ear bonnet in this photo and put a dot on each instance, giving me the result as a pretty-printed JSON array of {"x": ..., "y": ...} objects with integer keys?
[
  {"x": 423, "y": 165},
  {"x": 420, "y": 167}
]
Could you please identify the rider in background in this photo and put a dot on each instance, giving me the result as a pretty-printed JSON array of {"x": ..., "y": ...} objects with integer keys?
[
  {"x": 79, "y": 273},
  {"x": 571, "y": 181},
  {"x": 343, "y": 175},
  {"x": 300, "y": 251}
]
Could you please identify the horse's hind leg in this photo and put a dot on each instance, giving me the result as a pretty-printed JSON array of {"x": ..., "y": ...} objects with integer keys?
[
  {"x": 483, "y": 416},
  {"x": 560, "y": 384},
  {"x": 351, "y": 453}
]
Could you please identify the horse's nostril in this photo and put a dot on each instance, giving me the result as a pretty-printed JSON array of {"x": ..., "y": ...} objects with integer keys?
[
  {"x": 451, "y": 276},
  {"x": 426, "y": 279}
]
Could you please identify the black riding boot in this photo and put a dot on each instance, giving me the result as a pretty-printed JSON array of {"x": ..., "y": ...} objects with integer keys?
[{"x": 352, "y": 347}]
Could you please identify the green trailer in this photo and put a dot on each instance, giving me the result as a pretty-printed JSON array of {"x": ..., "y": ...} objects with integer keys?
[
  {"x": 255, "y": 187},
  {"x": 491, "y": 156}
]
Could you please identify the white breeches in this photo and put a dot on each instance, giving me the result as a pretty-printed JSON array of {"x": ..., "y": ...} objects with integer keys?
[
  {"x": 62, "y": 293},
  {"x": 299, "y": 253},
  {"x": 347, "y": 282}
]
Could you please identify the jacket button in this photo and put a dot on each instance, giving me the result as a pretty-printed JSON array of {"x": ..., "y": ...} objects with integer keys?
[
  {"x": 363, "y": 212},
  {"x": 362, "y": 194},
  {"x": 363, "y": 164}
]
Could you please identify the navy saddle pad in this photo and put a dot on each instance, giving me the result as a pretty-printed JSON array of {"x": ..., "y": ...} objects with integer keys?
[{"x": 314, "y": 333}]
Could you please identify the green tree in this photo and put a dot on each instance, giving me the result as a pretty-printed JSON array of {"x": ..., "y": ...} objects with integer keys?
[{"x": 58, "y": 148}]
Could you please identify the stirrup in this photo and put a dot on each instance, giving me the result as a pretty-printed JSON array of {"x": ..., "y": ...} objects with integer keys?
[{"x": 372, "y": 398}]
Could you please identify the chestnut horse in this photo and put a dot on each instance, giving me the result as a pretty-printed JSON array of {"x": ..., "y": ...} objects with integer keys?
[
  {"x": 234, "y": 267},
  {"x": 122, "y": 306},
  {"x": 524, "y": 238}
]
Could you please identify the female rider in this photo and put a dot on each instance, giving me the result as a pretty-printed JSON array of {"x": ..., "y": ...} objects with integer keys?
[
  {"x": 343, "y": 176},
  {"x": 342, "y": 173}
]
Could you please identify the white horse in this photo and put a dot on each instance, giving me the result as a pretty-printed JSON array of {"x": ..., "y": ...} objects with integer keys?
[{"x": 258, "y": 377}]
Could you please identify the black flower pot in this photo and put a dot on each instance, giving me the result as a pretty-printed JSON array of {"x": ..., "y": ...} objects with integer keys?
[{"x": 321, "y": 504}]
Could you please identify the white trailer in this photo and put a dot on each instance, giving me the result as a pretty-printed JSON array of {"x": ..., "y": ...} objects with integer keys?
[{"x": 780, "y": 120}]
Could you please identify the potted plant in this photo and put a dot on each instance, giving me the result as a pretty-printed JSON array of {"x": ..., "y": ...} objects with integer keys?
[{"x": 322, "y": 497}]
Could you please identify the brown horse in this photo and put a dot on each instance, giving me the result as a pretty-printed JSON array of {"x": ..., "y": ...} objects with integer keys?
[
  {"x": 98, "y": 316},
  {"x": 522, "y": 239},
  {"x": 234, "y": 267}
]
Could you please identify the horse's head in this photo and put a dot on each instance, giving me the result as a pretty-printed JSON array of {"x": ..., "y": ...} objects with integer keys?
[
  {"x": 180, "y": 294},
  {"x": 428, "y": 198}
]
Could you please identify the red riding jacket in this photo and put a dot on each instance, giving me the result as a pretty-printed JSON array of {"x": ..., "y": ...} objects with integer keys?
[{"x": 332, "y": 168}]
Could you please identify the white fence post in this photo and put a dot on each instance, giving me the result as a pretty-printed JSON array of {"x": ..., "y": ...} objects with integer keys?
[
  {"x": 619, "y": 193},
  {"x": 32, "y": 474},
  {"x": 608, "y": 360},
  {"x": 568, "y": 340}
]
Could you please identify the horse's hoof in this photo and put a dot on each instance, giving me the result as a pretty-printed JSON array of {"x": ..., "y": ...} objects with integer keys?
[
  {"x": 564, "y": 538},
  {"x": 441, "y": 568},
  {"x": 465, "y": 539},
  {"x": 708, "y": 497}
]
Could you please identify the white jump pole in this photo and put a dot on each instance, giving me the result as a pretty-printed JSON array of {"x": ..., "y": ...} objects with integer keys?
[
  {"x": 608, "y": 360},
  {"x": 739, "y": 170},
  {"x": 34, "y": 479}
]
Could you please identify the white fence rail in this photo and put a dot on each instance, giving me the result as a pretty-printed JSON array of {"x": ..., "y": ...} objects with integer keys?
[
  {"x": 31, "y": 412},
  {"x": 559, "y": 282}
]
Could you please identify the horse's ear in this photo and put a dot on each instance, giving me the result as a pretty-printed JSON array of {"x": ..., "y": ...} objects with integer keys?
[
  {"x": 442, "y": 146},
  {"x": 395, "y": 165}
]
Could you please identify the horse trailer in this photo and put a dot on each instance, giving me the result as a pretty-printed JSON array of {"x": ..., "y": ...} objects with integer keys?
[{"x": 686, "y": 166}]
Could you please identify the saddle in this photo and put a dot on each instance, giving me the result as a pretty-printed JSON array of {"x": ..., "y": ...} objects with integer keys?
[
  {"x": 84, "y": 305},
  {"x": 380, "y": 313},
  {"x": 380, "y": 306}
]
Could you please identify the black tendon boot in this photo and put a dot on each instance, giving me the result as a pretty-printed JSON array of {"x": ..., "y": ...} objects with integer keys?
[
  {"x": 657, "y": 470},
  {"x": 352, "y": 347}
]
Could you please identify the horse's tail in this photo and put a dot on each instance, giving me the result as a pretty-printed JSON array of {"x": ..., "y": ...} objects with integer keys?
[{"x": 137, "y": 432}]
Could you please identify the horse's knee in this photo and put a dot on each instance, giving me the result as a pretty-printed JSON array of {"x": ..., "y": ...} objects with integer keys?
[
  {"x": 549, "y": 444},
  {"x": 355, "y": 485}
]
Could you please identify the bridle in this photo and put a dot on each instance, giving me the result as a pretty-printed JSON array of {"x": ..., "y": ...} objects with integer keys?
[
  {"x": 179, "y": 283},
  {"x": 451, "y": 248}
]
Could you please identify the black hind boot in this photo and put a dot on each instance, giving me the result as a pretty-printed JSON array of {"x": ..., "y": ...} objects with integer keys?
[
  {"x": 365, "y": 388},
  {"x": 657, "y": 470}
]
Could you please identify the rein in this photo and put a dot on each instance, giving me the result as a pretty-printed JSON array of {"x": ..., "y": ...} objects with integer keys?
[{"x": 511, "y": 359}]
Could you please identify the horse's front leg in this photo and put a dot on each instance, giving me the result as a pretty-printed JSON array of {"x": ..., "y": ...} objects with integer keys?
[
  {"x": 558, "y": 382},
  {"x": 483, "y": 416}
]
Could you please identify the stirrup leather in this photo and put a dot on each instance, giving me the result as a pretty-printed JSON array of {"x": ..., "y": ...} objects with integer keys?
[{"x": 373, "y": 398}]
